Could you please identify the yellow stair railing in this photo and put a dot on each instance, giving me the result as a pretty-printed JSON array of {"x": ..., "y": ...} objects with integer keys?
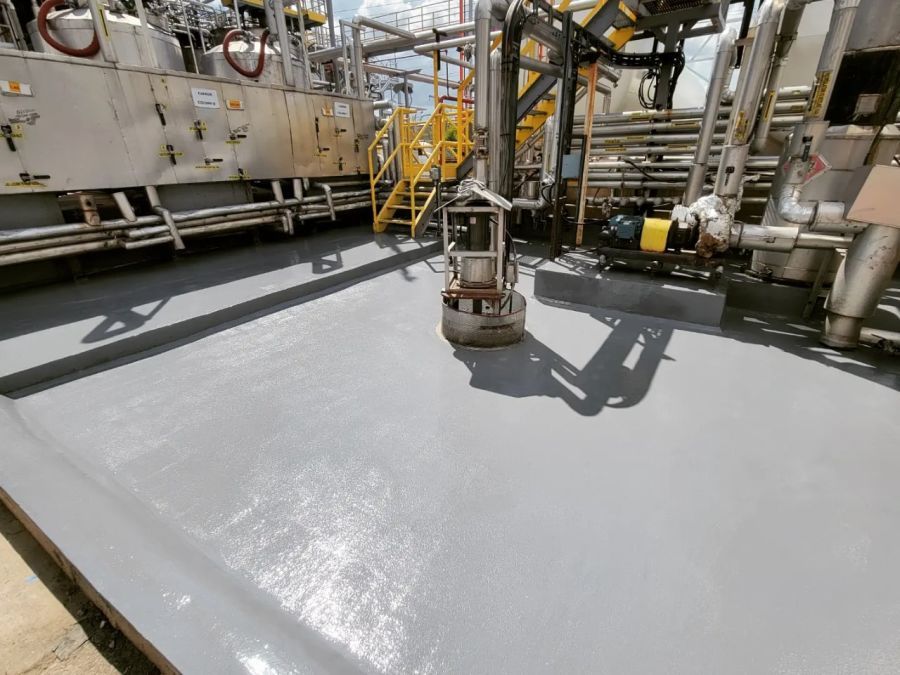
[{"x": 443, "y": 139}]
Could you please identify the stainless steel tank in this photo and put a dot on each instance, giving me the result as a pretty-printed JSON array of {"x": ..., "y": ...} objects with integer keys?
[
  {"x": 74, "y": 27},
  {"x": 213, "y": 63}
]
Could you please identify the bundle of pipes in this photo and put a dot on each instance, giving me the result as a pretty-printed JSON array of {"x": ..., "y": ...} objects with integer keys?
[
  {"x": 621, "y": 144},
  {"x": 165, "y": 227}
]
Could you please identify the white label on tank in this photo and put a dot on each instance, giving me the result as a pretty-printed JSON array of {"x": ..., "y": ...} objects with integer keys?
[
  {"x": 205, "y": 98},
  {"x": 341, "y": 109}
]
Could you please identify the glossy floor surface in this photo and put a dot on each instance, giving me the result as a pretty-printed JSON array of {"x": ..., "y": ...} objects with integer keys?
[{"x": 333, "y": 487}]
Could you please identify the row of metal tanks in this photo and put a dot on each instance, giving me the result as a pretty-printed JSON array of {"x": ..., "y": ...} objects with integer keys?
[
  {"x": 75, "y": 27},
  {"x": 74, "y": 124}
]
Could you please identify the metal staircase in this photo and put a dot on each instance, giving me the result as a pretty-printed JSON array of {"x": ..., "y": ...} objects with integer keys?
[
  {"x": 439, "y": 142},
  {"x": 444, "y": 139}
]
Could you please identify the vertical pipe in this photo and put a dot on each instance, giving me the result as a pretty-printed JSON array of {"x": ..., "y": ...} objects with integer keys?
[
  {"x": 495, "y": 123},
  {"x": 436, "y": 66},
  {"x": 237, "y": 14},
  {"x": 145, "y": 34},
  {"x": 329, "y": 9},
  {"x": 190, "y": 37},
  {"x": 358, "y": 71},
  {"x": 284, "y": 42},
  {"x": 98, "y": 17},
  {"x": 746, "y": 100},
  {"x": 721, "y": 73},
  {"x": 830, "y": 58},
  {"x": 586, "y": 151},
  {"x": 482, "y": 87},
  {"x": 861, "y": 280},
  {"x": 786, "y": 37},
  {"x": 304, "y": 53}
]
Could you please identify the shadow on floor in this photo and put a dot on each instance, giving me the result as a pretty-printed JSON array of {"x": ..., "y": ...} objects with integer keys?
[
  {"x": 613, "y": 378},
  {"x": 149, "y": 288},
  {"x": 802, "y": 339},
  {"x": 114, "y": 647}
]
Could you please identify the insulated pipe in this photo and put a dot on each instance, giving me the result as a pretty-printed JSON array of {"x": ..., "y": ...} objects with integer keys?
[
  {"x": 861, "y": 280},
  {"x": 830, "y": 58},
  {"x": 660, "y": 129},
  {"x": 482, "y": 88},
  {"x": 656, "y": 185},
  {"x": 368, "y": 22},
  {"x": 457, "y": 62},
  {"x": 358, "y": 59},
  {"x": 284, "y": 43},
  {"x": 429, "y": 47},
  {"x": 782, "y": 238},
  {"x": 818, "y": 216},
  {"x": 746, "y": 100},
  {"x": 721, "y": 73},
  {"x": 787, "y": 34},
  {"x": 495, "y": 123},
  {"x": 393, "y": 45}
]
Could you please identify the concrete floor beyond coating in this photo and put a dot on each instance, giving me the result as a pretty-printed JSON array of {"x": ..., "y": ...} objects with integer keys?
[{"x": 333, "y": 487}]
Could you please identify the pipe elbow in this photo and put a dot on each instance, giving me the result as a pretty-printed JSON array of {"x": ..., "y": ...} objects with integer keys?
[
  {"x": 727, "y": 40},
  {"x": 771, "y": 12},
  {"x": 483, "y": 10},
  {"x": 791, "y": 209}
]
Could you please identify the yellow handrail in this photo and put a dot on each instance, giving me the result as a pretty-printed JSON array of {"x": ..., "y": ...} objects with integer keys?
[{"x": 379, "y": 136}]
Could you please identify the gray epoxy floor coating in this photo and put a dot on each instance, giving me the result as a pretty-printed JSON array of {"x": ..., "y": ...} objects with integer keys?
[{"x": 613, "y": 495}]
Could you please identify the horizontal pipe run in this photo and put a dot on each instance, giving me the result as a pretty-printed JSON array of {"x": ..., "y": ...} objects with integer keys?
[
  {"x": 76, "y": 238},
  {"x": 762, "y": 162},
  {"x": 50, "y": 243},
  {"x": 663, "y": 128},
  {"x": 50, "y": 231},
  {"x": 56, "y": 252},
  {"x": 659, "y": 185}
]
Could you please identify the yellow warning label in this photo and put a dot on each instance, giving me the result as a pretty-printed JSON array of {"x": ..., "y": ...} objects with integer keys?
[
  {"x": 740, "y": 128},
  {"x": 234, "y": 104},
  {"x": 206, "y": 166},
  {"x": 15, "y": 87},
  {"x": 24, "y": 183},
  {"x": 769, "y": 106},
  {"x": 817, "y": 98},
  {"x": 234, "y": 142}
]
